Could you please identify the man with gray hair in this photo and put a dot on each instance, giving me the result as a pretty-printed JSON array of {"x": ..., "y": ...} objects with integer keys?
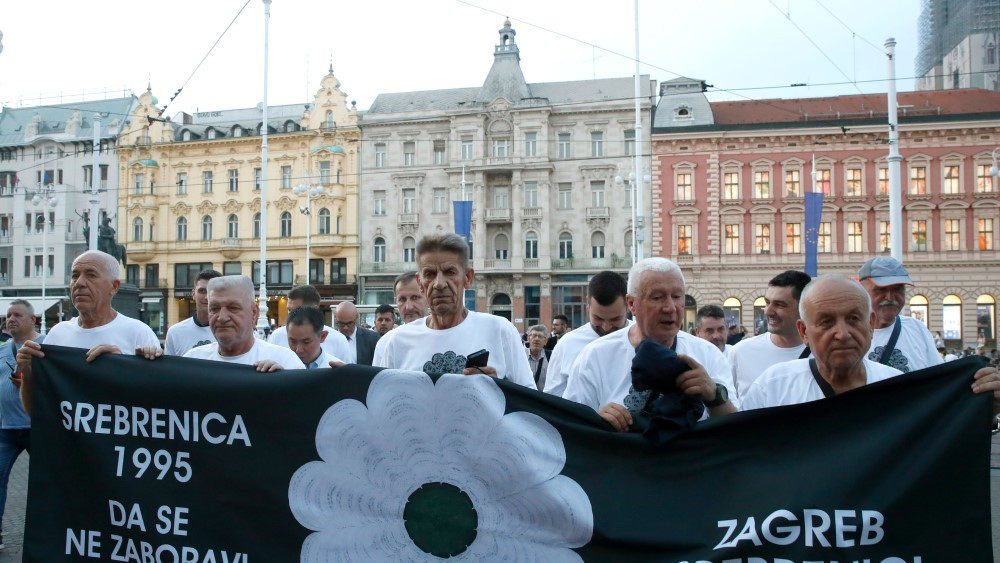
[
  {"x": 538, "y": 355},
  {"x": 602, "y": 376},
  {"x": 232, "y": 314},
  {"x": 409, "y": 299},
  {"x": 15, "y": 425},
  {"x": 442, "y": 341},
  {"x": 98, "y": 328}
]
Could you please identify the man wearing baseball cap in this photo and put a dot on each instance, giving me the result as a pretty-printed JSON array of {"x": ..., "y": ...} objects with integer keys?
[{"x": 899, "y": 341}]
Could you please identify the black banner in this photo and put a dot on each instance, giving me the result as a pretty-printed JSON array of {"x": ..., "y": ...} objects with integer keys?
[{"x": 186, "y": 460}]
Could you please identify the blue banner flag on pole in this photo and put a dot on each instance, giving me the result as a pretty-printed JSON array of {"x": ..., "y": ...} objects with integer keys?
[
  {"x": 463, "y": 218},
  {"x": 814, "y": 211}
]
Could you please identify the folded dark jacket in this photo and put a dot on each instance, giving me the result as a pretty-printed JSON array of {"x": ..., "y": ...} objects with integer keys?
[{"x": 659, "y": 409}]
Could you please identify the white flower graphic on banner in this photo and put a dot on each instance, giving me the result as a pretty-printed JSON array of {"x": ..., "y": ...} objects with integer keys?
[{"x": 431, "y": 471}]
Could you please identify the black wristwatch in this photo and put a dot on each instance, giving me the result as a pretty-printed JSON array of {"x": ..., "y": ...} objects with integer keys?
[{"x": 721, "y": 396}]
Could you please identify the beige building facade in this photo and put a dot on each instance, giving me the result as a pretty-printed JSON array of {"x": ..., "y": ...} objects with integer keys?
[
  {"x": 539, "y": 161},
  {"x": 191, "y": 199}
]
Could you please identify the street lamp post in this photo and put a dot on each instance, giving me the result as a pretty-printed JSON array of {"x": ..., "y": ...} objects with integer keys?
[
  {"x": 311, "y": 192},
  {"x": 44, "y": 197}
]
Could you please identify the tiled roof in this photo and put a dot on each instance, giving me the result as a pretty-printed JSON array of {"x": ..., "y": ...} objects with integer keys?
[
  {"x": 858, "y": 107},
  {"x": 555, "y": 92},
  {"x": 14, "y": 121}
]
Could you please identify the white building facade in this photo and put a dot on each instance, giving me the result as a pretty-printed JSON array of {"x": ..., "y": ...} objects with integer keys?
[
  {"x": 542, "y": 164},
  {"x": 51, "y": 147}
]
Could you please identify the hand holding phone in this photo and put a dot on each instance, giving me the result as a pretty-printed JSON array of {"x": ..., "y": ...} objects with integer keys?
[{"x": 477, "y": 359}]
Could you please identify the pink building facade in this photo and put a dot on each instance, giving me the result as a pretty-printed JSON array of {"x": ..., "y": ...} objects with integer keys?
[{"x": 729, "y": 179}]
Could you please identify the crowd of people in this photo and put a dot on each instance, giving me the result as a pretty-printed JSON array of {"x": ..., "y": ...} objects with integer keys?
[{"x": 824, "y": 336}]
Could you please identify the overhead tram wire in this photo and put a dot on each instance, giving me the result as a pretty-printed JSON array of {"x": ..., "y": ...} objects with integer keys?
[
  {"x": 814, "y": 44},
  {"x": 212, "y": 48},
  {"x": 848, "y": 28}
]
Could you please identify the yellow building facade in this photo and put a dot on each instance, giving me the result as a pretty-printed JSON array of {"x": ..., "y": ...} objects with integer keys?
[{"x": 190, "y": 199}]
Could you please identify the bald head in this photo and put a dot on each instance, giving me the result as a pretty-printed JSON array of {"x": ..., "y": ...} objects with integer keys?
[
  {"x": 833, "y": 283},
  {"x": 836, "y": 323},
  {"x": 346, "y": 317}
]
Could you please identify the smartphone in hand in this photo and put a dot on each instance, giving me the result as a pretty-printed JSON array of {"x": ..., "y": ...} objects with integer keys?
[{"x": 477, "y": 359}]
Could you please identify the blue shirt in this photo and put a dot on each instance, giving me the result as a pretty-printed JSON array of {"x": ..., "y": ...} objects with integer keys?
[{"x": 12, "y": 413}]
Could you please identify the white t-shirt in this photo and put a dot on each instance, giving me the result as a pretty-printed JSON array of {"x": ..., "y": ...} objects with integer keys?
[
  {"x": 413, "y": 345},
  {"x": 791, "y": 383},
  {"x": 261, "y": 351},
  {"x": 603, "y": 372},
  {"x": 124, "y": 332},
  {"x": 914, "y": 350},
  {"x": 185, "y": 335},
  {"x": 567, "y": 350},
  {"x": 751, "y": 357},
  {"x": 335, "y": 343}
]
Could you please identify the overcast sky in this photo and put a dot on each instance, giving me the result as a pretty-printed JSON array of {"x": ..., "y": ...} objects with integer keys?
[{"x": 54, "y": 48}]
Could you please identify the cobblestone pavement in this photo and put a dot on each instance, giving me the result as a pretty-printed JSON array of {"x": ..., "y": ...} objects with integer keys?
[
  {"x": 17, "y": 492},
  {"x": 13, "y": 517}
]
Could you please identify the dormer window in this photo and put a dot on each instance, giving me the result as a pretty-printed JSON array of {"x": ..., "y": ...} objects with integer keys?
[
  {"x": 210, "y": 134},
  {"x": 329, "y": 120},
  {"x": 237, "y": 131},
  {"x": 186, "y": 136},
  {"x": 682, "y": 113},
  {"x": 289, "y": 127}
]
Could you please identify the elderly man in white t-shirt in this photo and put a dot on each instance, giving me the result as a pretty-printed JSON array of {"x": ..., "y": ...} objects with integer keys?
[
  {"x": 98, "y": 328},
  {"x": 442, "y": 341},
  {"x": 232, "y": 314},
  {"x": 836, "y": 323},
  {"x": 602, "y": 376}
]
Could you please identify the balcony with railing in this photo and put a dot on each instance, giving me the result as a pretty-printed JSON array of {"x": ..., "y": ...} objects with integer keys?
[
  {"x": 498, "y": 215},
  {"x": 496, "y": 264},
  {"x": 531, "y": 212},
  {"x": 598, "y": 212},
  {"x": 409, "y": 218},
  {"x": 386, "y": 267}
]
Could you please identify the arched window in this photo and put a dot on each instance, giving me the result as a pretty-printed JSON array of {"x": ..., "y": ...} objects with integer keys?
[
  {"x": 919, "y": 308},
  {"x": 237, "y": 131},
  {"x": 501, "y": 306},
  {"x": 329, "y": 119},
  {"x": 186, "y": 136},
  {"x": 137, "y": 229},
  {"x": 256, "y": 225},
  {"x": 565, "y": 246},
  {"x": 286, "y": 224},
  {"x": 597, "y": 245},
  {"x": 986, "y": 320},
  {"x": 378, "y": 254},
  {"x": 733, "y": 308},
  {"x": 759, "y": 318},
  {"x": 409, "y": 250},
  {"x": 501, "y": 247},
  {"x": 233, "y": 226},
  {"x": 206, "y": 228},
  {"x": 951, "y": 317},
  {"x": 289, "y": 127},
  {"x": 324, "y": 221},
  {"x": 210, "y": 134},
  {"x": 531, "y": 245},
  {"x": 182, "y": 229}
]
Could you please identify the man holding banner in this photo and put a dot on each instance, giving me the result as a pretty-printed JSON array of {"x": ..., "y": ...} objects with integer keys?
[
  {"x": 99, "y": 328},
  {"x": 602, "y": 376},
  {"x": 836, "y": 323},
  {"x": 232, "y": 314},
  {"x": 442, "y": 341}
]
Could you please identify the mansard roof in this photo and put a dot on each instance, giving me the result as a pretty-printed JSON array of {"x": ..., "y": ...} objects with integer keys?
[{"x": 63, "y": 122}]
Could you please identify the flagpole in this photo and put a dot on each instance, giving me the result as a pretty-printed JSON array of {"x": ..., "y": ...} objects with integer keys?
[{"x": 262, "y": 321}]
